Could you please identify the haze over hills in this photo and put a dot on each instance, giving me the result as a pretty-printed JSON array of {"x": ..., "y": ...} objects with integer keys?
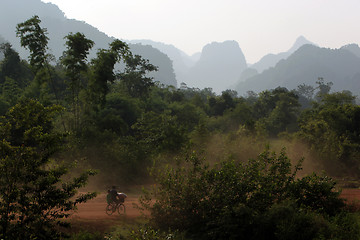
[
  {"x": 270, "y": 60},
  {"x": 166, "y": 74},
  {"x": 354, "y": 48},
  {"x": 219, "y": 67},
  {"x": 306, "y": 65},
  {"x": 59, "y": 26},
  {"x": 181, "y": 61}
]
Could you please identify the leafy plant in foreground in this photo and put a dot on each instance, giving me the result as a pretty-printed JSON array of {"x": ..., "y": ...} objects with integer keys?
[{"x": 33, "y": 198}]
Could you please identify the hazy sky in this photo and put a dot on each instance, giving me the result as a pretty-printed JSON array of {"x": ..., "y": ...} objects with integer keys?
[{"x": 259, "y": 26}]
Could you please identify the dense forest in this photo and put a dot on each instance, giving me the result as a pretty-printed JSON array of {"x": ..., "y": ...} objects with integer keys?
[{"x": 263, "y": 166}]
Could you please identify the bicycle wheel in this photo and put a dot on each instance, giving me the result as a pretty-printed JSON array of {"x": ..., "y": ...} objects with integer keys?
[
  {"x": 110, "y": 208},
  {"x": 121, "y": 208}
]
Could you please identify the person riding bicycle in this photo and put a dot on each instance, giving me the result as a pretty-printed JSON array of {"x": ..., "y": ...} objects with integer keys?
[{"x": 115, "y": 197}]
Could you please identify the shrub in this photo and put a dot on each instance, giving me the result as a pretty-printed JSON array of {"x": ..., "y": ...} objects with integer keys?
[{"x": 262, "y": 199}]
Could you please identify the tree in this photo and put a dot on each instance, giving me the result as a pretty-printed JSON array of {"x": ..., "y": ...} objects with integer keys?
[
  {"x": 218, "y": 105},
  {"x": 305, "y": 93},
  {"x": 285, "y": 114},
  {"x": 34, "y": 38},
  {"x": 323, "y": 88},
  {"x": 103, "y": 71},
  {"x": 11, "y": 66},
  {"x": 331, "y": 129},
  {"x": 11, "y": 91},
  {"x": 134, "y": 77},
  {"x": 33, "y": 197},
  {"x": 306, "y": 90},
  {"x": 159, "y": 132},
  {"x": 74, "y": 60},
  {"x": 277, "y": 110}
]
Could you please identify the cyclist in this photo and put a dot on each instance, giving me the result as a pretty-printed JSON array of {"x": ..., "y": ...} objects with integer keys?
[{"x": 114, "y": 196}]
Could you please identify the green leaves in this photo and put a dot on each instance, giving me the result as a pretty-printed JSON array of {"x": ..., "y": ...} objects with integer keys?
[
  {"x": 34, "y": 38},
  {"x": 31, "y": 200},
  {"x": 241, "y": 200},
  {"x": 331, "y": 128},
  {"x": 159, "y": 132},
  {"x": 74, "y": 60},
  {"x": 134, "y": 77}
]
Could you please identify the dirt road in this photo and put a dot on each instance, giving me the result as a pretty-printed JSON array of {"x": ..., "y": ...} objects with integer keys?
[
  {"x": 95, "y": 209},
  {"x": 351, "y": 194},
  {"x": 92, "y": 216}
]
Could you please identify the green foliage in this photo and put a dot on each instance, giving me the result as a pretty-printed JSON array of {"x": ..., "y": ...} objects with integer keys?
[
  {"x": 74, "y": 61},
  {"x": 33, "y": 198},
  {"x": 277, "y": 110},
  {"x": 262, "y": 199},
  {"x": 34, "y": 38},
  {"x": 240, "y": 115},
  {"x": 134, "y": 77},
  {"x": 217, "y": 105},
  {"x": 323, "y": 88},
  {"x": 331, "y": 129},
  {"x": 159, "y": 132},
  {"x": 86, "y": 236},
  {"x": 12, "y": 67},
  {"x": 103, "y": 70},
  {"x": 187, "y": 114},
  {"x": 11, "y": 91},
  {"x": 149, "y": 233}
]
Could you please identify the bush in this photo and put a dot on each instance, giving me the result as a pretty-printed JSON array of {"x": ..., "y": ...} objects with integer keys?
[
  {"x": 262, "y": 199},
  {"x": 34, "y": 199},
  {"x": 86, "y": 236}
]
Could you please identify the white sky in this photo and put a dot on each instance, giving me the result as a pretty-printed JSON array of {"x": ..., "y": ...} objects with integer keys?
[{"x": 259, "y": 26}]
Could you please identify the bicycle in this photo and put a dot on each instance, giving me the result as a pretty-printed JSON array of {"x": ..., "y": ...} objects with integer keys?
[{"x": 113, "y": 207}]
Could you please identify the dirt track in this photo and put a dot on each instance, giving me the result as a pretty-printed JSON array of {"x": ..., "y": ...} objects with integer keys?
[
  {"x": 351, "y": 195},
  {"x": 95, "y": 209},
  {"x": 92, "y": 216}
]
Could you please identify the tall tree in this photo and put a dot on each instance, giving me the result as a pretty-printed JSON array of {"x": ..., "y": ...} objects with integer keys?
[
  {"x": 34, "y": 38},
  {"x": 103, "y": 70},
  {"x": 74, "y": 60},
  {"x": 323, "y": 88},
  {"x": 134, "y": 77}
]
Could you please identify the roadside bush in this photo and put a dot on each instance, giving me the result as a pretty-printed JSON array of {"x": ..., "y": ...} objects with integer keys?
[
  {"x": 86, "y": 236},
  {"x": 262, "y": 199}
]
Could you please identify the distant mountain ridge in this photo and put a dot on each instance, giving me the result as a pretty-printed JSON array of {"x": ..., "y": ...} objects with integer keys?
[
  {"x": 306, "y": 65},
  {"x": 219, "y": 66},
  {"x": 59, "y": 26},
  {"x": 270, "y": 60},
  {"x": 353, "y": 48},
  {"x": 181, "y": 61}
]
